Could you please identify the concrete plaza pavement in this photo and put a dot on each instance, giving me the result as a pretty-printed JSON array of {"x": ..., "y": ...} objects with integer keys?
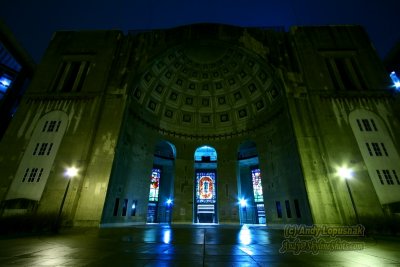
[{"x": 192, "y": 245}]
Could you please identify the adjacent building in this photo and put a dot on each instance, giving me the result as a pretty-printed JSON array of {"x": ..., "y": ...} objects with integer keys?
[{"x": 16, "y": 71}]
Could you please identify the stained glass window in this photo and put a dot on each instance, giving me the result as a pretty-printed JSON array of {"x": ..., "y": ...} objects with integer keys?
[
  {"x": 257, "y": 186},
  {"x": 154, "y": 184},
  {"x": 205, "y": 187}
]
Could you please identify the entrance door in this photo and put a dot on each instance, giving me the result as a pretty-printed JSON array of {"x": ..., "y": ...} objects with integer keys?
[{"x": 152, "y": 212}]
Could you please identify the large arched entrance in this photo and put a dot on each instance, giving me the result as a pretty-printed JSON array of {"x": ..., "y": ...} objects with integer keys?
[
  {"x": 251, "y": 197},
  {"x": 159, "y": 207}
]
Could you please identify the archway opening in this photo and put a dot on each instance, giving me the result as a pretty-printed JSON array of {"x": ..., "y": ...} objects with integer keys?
[
  {"x": 205, "y": 189},
  {"x": 251, "y": 197},
  {"x": 160, "y": 202}
]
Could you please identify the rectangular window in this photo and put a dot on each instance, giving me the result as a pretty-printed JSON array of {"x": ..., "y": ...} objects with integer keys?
[
  {"x": 388, "y": 177},
  {"x": 278, "y": 209},
  {"x": 32, "y": 175},
  {"x": 49, "y": 149},
  {"x": 377, "y": 149},
  {"x": 40, "y": 175},
  {"x": 124, "y": 207},
  {"x": 116, "y": 206},
  {"x": 36, "y": 148},
  {"x": 359, "y": 125},
  {"x": 58, "y": 126},
  {"x": 344, "y": 73},
  {"x": 43, "y": 148},
  {"x": 369, "y": 149},
  {"x": 25, "y": 175},
  {"x": 384, "y": 149},
  {"x": 358, "y": 75},
  {"x": 52, "y": 125},
  {"x": 45, "y": 126},
  {"x": 205, "y": 186},
  {"x": 83, "y": 71},
  {"x": 380, "y": 176},
  {"x": 373, "y": 125},
  {"x": 133, "y": 208},
  {"x": 345, "y": 76},
  {"x": 60, "y": 76},
  {"x": 71, "y": 76},
  {"x": 366, "y": 124},
  {"x": 396, "y": 177},
  {"x": 332, "y": 73},
  {"x": 288, "y": 211},
  {"x": 257, "y": 186},
  {"x": 297, "y": 208},
  {"x": 154, "y": 184}
]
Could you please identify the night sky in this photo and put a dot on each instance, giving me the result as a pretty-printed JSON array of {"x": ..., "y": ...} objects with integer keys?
[{"x": 33, "y": 22}]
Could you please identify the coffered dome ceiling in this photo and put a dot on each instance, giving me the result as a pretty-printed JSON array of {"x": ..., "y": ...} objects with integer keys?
[{"x": 207, "y": 88}]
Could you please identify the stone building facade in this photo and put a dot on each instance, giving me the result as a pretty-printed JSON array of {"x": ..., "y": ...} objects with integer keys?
[{"x": 206, "y": 124}]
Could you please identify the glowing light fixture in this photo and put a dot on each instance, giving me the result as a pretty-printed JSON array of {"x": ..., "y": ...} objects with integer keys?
[
  {"x": 169, "y": 202},
  {"x": 345, "y": 172},
  {"x": 395, "y": 79},
  {"x": 71, "y": 172},
  {"x": 5, "y": 83},
  {"x": 243, "y": 202}
]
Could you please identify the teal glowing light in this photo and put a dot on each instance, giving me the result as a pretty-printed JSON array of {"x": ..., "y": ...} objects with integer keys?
[{"x": 243, "y": 202}]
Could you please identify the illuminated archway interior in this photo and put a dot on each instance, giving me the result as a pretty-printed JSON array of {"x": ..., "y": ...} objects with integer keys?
[
  {"x": 159, "y": 207},
  {"x": 251, "y": 197},
  {"x": 205, "y": 195}
]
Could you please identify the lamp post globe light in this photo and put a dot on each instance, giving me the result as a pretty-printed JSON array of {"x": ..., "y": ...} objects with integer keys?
[
  {"x": 348, "y": 174},
  {"x": 243, "y": 205},
  {"x": 69, "y": 173},
  {"x": 168, "y": 210}
]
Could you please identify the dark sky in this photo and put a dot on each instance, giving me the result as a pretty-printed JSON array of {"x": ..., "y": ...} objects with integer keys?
[{"x": 33, "y": 22}]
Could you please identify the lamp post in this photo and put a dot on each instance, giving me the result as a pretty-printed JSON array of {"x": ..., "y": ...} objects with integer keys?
[
  {"x": 347, "y": 174},
  {"x": 69, "y": 173},
  {"x": 168, "y": 210},
  {"x": 243, "y": 205}
]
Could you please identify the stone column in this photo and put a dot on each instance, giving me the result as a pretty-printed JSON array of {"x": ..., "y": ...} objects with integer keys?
[
  {"x": 183, "y": 186},
  {"x": 227, "y": 183}
]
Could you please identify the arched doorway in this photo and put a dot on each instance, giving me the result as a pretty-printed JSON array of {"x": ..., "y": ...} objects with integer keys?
[
  {"x": 251, "y": 197},
  {"x": 159, "y": 209},
  {"x": 205, "y": 189}
]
